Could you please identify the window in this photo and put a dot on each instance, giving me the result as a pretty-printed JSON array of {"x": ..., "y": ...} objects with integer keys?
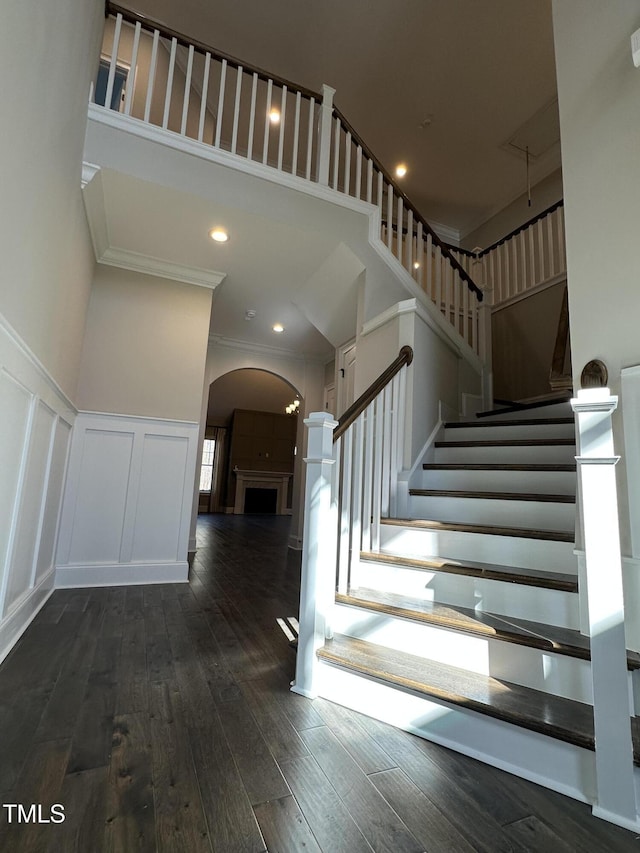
[
  {"x": 206, "y": 469},
  {"x": 119, "y": 80}
]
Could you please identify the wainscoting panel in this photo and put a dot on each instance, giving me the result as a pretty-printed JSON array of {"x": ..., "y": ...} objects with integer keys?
[
  {"x": 35, "y": 424},
  {"x": 127, "y": 504}
]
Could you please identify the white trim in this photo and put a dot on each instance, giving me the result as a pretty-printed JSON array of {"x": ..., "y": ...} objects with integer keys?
[
  {"x": 150, "y": 265},
  {"x": 24, "y": 349},
  {"x": 141, "y": 418},
  {"x": 611, "y": 817},
  {"x": 120, "y": 574},
  {"x": 89, "y": 171},
  {"x": 265, "y": 349},
  {"x": 18, "y": 620},
  {"x": 525, "y": 294},
  {"x": 447, "y": 233}
]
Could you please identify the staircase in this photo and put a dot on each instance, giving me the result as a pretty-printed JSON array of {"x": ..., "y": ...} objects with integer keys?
[{"x": 464, "y": 626}]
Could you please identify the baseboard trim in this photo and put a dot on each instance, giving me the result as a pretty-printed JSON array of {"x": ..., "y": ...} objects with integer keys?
[
  {"x": 121, "y": 574},
  {"x": 295, "y": 542},
  {"x": 18, "y": 620}
]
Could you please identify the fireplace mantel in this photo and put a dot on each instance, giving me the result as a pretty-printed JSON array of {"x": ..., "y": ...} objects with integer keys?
[{"x": 277, "y": 480}]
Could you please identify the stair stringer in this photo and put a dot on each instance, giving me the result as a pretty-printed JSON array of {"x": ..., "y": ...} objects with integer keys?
[{"x": 554, "y": 764}]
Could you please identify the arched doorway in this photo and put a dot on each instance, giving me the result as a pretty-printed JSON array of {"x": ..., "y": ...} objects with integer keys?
[{"x": 249, "y": 455}]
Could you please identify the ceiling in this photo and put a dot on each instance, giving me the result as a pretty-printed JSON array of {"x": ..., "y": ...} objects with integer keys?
[
  {"x": 453, "y": 88},
  {"x": 247, "y": 388}
]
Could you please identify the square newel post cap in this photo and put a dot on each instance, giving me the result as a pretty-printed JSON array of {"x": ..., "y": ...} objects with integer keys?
[
  {"x": 321, "y": 426},
  {"x": 594, "y": 400}
]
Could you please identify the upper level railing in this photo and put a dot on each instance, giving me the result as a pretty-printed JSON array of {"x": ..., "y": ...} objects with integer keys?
[{"x": 160, "y": 77}]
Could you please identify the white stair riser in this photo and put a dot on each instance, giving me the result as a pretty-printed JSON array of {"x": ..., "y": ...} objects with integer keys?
[
  {"x": 546, "y": 761},
  {"x": 554, "y": 410},
  {"x": 532, "y": 515},
  {"x": 519, "y": 601},
  {"x": 480, "y": 547},
  {"x": 509, "y": 455},
  {"x": 556, "y": 674},
  {"x": 539, "y": 482},
  {"x": 498, "y": 433}
]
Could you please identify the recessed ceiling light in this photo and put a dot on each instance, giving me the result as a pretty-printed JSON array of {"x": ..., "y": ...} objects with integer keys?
[
  {"x": 219, "y": 235},
  {"x": 278, "y": 327},
  {"x": 416, "y": 265},
  {"x": 274, "y": 116},
  {"x": 401, "y": 170}
]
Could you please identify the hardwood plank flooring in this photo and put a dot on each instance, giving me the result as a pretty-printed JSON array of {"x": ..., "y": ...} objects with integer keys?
[{"x": 160, "y": 718}]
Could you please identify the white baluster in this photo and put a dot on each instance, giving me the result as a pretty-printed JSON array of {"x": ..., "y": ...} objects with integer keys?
[
  {"x": 252, "y": 116},
  {"x": 465, "y": 312},
  {"x": 336, "y": 153},
  {"x": 223, "y": 83},
  {"x": 420, "y": 258},
  {"x": 531, "y": 256},
  {"x": 376, "y": 485},
  {"x": 267, "y": 123},
  {"x": 367, "y": 497},
  {"x": 312, "y": 104},
  {"x": 457, "y": 284},
  {"x": 187, "y": 92},
  {"x": 152, "y": 75},
  {"x": 283, "y": 109},
  {"x": 369, "y": 180},
  {"x": 356, "y": 491},
  {"x": 169, "y": 90},
  {"x": 296, "y": 134},
  {"x": 358, "y": 192},
  {"x": 236, "y": 110},
  {"x": 317, "y": 588},
  {"x": 128, "y": 100},
  {"x": 474, "y": 323},
  {"x": 560, "y": 250},
  {"x": 409, "y": 252},
  {"x": 437, "y": 256},
  {"x": 429, "y": 282},
  {"x": 347, "y": 164},
  {"x": 387, "y": 407},
  {"x": 400, "y": 229},
  {"x": 113, "y": 64},
  {"x": 550, "y": 247},
  {"x": 394, "y": 442},
  {"x": 344, "y": 541},
  {"x": 521, "y": 250},
  {"x": 203, "y": 97},
  {"x": 390, "y": 216}
]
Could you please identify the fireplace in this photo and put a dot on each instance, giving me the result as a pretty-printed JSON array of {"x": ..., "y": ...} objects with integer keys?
[{"x": 274, "y": 486}]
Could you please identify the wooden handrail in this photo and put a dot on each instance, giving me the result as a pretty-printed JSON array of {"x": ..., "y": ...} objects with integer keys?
[
  {"x": 165, "y": 31},
  {"x": 464, "y": 275},
  {"x": 405, "y": 356},
  {"x": 520, "y": 228}
]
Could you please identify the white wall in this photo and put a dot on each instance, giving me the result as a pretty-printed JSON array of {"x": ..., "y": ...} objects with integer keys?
[{"x": 48, "y": 54}]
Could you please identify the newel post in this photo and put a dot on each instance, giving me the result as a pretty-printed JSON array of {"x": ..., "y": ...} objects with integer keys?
[
  {"x": 324, "y": 131},
  {"x": 616, "y": 799},
  {"x": 484, "y": 342},
  {"x": 317, "y": 588}
]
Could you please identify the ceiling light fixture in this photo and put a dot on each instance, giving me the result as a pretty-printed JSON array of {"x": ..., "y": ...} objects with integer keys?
[
  {"x": 416, "y": 265},
  {"x": 292, "y": 408},
  {"x": 274, "y": 116},
  {"x": 278, "y": 327},
  {"x": 249, "y": 314},
  {"x": 401, "y": 170},
  {"x": 219, "y": 235}
]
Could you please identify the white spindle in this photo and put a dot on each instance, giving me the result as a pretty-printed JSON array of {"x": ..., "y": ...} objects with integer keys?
[
  {"x": 531, "y": 257},
  {"x": 474, "y": 323},
  {"x": 521, "y": 250},
  {"x": 336, "y": 153},
  {"x": 369, "y": 180},
  {"x": 296, "y": 134},
  {"x": 390, "y": 217},
  {"x": 367, "y": 497},
  {"x": 376, "y": 486},
  {"x": 466, "y": 294},
  {"x": 491, "y": 258},
  {"x": 550, "y": 248},
  {"x": 420, "y": 253},
  {"x": 380, "y": 180},
  {"x": 236, "y": 110},
  {"x": 252, "y": 115},
  {"x": 356, "y": 518},
  {"x": 438, "y": 270},
  {"x": 539, "y": 232},
  {"x": 152, "y": 75},
  {"x": 312, "y": 103},
  {"x": 562, "y": 249},
  {"x": 409, "y": 251},
  {"x": 394, "y": 441},
  {"x": 203, "y": 97},
  {"x": 283, "y": 111},
  {"x": 347, "y": 164},
  {"x": 387, "y": 406},
  {"x": 267, "y": 123},
  {"x": 170, "y": 74},
  {"x": 457, "y": 284},
  {"x": 358, "y": 192},
  {"x": 128, "y": 100},
  {"x": 223, "y": 83},
  {"x": 344, "y": 534},
  {"x": 113, "y": 64},
  {"x": 399, "y": 229},
  {"x": 428, "y": 264},
  {"x": 187, "y": 92}
]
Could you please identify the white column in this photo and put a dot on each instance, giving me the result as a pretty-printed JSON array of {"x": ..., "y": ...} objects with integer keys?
[
  {"x": 317, "y": 588},
  {"x": 324, "y": 140},
  {"x": 616, "y": 799}
]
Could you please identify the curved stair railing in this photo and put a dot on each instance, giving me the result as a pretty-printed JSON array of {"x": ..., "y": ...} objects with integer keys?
[
  {"x": 351, "y": 481},
  {"x": 158, "y": 76}
]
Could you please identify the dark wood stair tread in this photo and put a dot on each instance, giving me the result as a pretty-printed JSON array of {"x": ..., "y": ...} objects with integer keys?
[
  {"x": 459, "y": 527},
  {"x": 569, "y": 467},
  {"x": 555, "y": 716},
  {"x": 508, "y": 423},
  {"x": 501, "y": 496},
  {"x": 510, "y": 442},
  {"x": 514, "y": 406},
  {"x": 509, "y": 574},
  {"x": 522, "y": 632}
]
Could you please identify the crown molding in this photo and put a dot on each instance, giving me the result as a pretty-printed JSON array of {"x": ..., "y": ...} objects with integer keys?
[
  {"x": 150, "y": 265},
  {"x": 265, "y": 349}
]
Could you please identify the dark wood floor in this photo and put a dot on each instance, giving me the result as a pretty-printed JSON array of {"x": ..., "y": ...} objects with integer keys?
[{"x": 160, "y": 718}]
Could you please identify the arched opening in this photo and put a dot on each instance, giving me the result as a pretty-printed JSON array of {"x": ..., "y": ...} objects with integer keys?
[{"x": 249, "y": 457}]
